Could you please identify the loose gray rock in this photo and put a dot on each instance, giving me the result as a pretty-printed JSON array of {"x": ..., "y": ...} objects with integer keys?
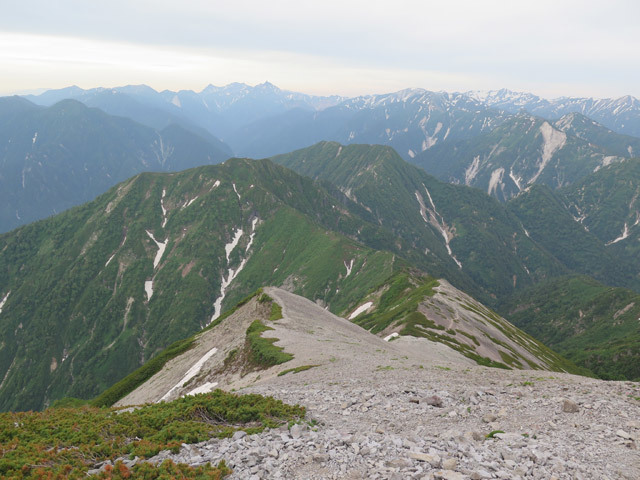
[
  {"x": 434, "y": 401},
  {"x": 569, "y": 406}
]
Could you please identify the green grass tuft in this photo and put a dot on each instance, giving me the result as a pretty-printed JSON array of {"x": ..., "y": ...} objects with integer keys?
[
  {"x": 262, "y": 351},
  {"x": 299, "y": 369},
  {"x": 276, "y": 312}
]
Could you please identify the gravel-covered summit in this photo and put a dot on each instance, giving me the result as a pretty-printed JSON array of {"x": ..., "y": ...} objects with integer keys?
[{"x": 393, "y": 415}]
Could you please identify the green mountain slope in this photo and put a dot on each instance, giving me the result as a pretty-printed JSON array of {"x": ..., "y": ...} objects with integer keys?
[
  {"x": 591, "y": 324},
  {"x": 90, "y": 294},
  {"x": 548, "y": 221},
  {"x": 410, "y": 303},
  {"x": 587, "y": 129},
  {"x": 522, "y": 151},
  {"x": 607, "y": 203},
  {"x": 448, "y": 230},
  {"x": 54, "y": 158}
]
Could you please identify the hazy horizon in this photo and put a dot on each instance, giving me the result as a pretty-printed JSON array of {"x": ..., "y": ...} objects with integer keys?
[{"x": 346, "y": 48}]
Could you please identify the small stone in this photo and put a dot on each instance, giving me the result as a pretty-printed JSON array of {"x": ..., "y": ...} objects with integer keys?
[
  {"x": 297, "y": 430},
  {"x": 414, "y": 400},
  {"x": 238, "y": 435},
  {"x": 623, "y": 434},
  {"x": 447, "y": 475},
  {"x": 449, "y": 464},
  {"x": 489, "y": 417},
  {"x": 480, "y": 475},
  {"x": 434, "y": 401},
  {"x": 433, "y": 460},
  {"x": 569, "y": 406},
  {"x": 398, "y": 463}
]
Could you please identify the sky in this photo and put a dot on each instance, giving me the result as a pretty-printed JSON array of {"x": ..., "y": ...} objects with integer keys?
[{"x": 347, "y": 47}]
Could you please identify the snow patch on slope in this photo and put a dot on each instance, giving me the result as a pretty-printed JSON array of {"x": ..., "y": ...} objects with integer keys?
[
  {"x": 110, "y": 258},
  {"x": 229, "y": 247},
  {"x": 360, "y": 309},
  {"x": 4, "y": 300},
  {"x": 161, "y": 248},
  {"x": 148, "y": 288},
  {"x": 625, "y": 234},
  {"x": 437, "y": 221},
  {"x": 204, "y": 388},
  {"x": 192, "y": 372},
  {"x": 515, "y": 179},
  {"x": 348, "y": 267},
  {"x": 164, "y": 210},
  {"x": 232, "y": 273}
]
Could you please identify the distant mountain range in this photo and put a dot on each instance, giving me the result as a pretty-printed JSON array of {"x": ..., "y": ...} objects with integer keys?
[
  {"x": 499, "y": 141},
  {"x": 621, "y": 115},
  {"x": 527, "y": 150},
  {"x": 54, "y": 158}
]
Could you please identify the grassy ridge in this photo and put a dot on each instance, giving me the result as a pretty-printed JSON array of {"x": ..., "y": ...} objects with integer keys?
[
  {"x": 261, "y": 351},
  {"x": 65, "y": 442}
]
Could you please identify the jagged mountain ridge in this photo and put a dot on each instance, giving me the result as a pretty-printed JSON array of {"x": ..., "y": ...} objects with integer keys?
[
  {"x": 410, "y": 121},
  {"x": 57, "y": 157},
  {"x": 219, "y": 110},
  {"x": 523, "y": 151},
  {"x": 621, "y": 114}
]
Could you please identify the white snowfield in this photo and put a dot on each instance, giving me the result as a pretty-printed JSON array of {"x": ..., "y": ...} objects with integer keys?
[
  {"x": 4, "y": 300},
  {"x": 229, "y": 247},
  {"x": 192, "y": 372},
  {"x": 436, "y": 220},
  {"x": 161, "y": 248},
  {"x": 164, "y": 210},
  {"x": 625, "y": 234},
  {"x": 148, "y": 288},
  {"x": 232, "y": 273},
  {"x": 204, "y": 388},
  {"x": 388, "y": 338},
  {"x": 348, "y": 267},
  {"x": 109, "y": 261},
  {"x": 362, "y": 308}
]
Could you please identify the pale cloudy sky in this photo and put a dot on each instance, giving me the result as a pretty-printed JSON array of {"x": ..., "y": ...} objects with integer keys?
[{"x": 347, "y": 47}]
